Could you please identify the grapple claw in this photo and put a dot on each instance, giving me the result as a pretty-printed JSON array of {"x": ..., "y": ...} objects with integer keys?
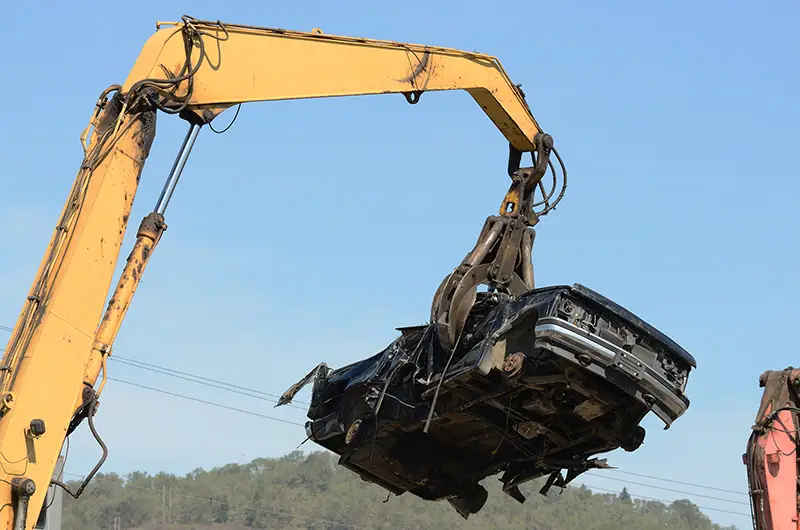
[{"x": 501, "y": 258}]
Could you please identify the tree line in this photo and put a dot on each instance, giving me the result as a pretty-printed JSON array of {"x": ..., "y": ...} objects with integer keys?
[{"x": 309, "y": 491}]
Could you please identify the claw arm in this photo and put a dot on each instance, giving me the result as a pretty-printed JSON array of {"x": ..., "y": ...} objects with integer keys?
[
  {"x": 772, "y": 452},
  {"x": 321, "y": 370}
]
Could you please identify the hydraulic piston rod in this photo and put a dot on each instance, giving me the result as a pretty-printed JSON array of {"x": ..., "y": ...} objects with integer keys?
[
  {"x": 147, "y": 237},
  {"x": 177, "y": 169}
]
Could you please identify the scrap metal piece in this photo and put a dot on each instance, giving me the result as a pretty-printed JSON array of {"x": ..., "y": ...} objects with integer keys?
[
  {"x": 558, "y": 480},
  {"x": 470, "y": 501},
  {"x": 515, "y": 494},
  {"x": 530, "y": 429},
  {"x": 321, "y": 370},
  {"x": 590, "y": 409},
  {"x": 513, "y": 364}
]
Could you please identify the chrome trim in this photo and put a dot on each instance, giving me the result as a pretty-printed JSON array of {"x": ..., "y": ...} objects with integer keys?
[
  {"x": 562, "y": 330},
  {"x": 554, "y": 333}
]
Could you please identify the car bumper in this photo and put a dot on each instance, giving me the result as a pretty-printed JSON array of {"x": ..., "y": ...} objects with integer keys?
[{"x": 616, "y": 365}]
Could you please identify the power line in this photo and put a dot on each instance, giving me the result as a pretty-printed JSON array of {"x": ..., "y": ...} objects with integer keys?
[
  {"x": 145, "y": 366},
  {"x": 679, "y": 482},
  {"x": 5, "y": 328},
  {"x": 668, "y": 489},
  {"x": 663, "y": 500},
  {"x": 198, "y": 400},
  {"x": 206, "y": 381}
]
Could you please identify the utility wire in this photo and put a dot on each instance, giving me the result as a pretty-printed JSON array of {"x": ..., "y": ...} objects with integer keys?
[
  {"x": 662, "y": 500},
  {"x": 679, "y": 482},
  {"x": 198, "y": 400},
  {"x": 144, "y": 365},
  {"x": 10, "y": 330},
  {"x": 662, "y": 488},
  {"x": 205, "y": 381}
]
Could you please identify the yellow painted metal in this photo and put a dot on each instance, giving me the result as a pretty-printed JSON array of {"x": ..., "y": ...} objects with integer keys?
[
  {"x": 47, "y": 355},
  {"x": 60, "y": 342},
  {"x": 147, "y": 238},
  {"x": 260, "y": 64}
]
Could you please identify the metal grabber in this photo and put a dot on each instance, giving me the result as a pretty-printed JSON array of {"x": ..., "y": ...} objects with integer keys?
[{"x": 501, "y": 258}]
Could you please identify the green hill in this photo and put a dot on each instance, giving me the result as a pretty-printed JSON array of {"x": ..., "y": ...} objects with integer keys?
[{"x": 310, "y": 492}]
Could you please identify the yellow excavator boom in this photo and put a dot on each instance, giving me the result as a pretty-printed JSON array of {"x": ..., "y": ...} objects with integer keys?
[
  {"x": 195, "y": 69},
  {"x": 245, "y": 64}
]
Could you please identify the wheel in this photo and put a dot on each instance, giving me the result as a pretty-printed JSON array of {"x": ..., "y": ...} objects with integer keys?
[{"x": 634, "y": 440}]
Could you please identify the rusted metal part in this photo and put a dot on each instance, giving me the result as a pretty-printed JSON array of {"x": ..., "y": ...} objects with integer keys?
[
  {"x": 23, "y": 489},
  {"x": 501, "y": 257},
  {"x": 558, "y": 480},
  {"x": 319, "y": 371},
  {"x": 527, "y": 250},
  {"x": 513, "y": 364},
  {"x": 530, "y": 429},
  {"x": 772, "y": 449},
  {"x": 590, "y": 409},
  {"x": 147, "y": 237}
]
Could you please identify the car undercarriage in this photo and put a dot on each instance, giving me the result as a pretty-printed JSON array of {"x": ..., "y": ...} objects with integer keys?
[{"x": 536, "y": 385}]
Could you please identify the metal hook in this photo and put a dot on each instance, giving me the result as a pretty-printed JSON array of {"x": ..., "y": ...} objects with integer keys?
[{"x": 413, "y": 96}]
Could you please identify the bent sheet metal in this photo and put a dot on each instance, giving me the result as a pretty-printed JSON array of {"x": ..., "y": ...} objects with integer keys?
[{"x": 538, "y": 385}]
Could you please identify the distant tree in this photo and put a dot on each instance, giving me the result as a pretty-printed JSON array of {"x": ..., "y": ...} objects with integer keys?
[
  {"x": 685, "y": 510},
  {"x": 222, "y": 511},
  {"x": 584, "y": 492},
  {"x": 625, "y": 497}
]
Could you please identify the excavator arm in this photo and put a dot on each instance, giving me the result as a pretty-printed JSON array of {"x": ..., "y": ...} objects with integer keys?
[
  {"x": 215, "y": 66},
  {"x": 772, "y": 453},
  {"x": 54, "y": 368}
]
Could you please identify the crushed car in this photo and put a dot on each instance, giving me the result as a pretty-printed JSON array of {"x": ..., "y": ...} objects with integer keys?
[{"x": 537, "y": 386}]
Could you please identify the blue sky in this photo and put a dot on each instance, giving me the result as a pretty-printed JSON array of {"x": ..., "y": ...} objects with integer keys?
[{"x": 675, "y": 120}]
